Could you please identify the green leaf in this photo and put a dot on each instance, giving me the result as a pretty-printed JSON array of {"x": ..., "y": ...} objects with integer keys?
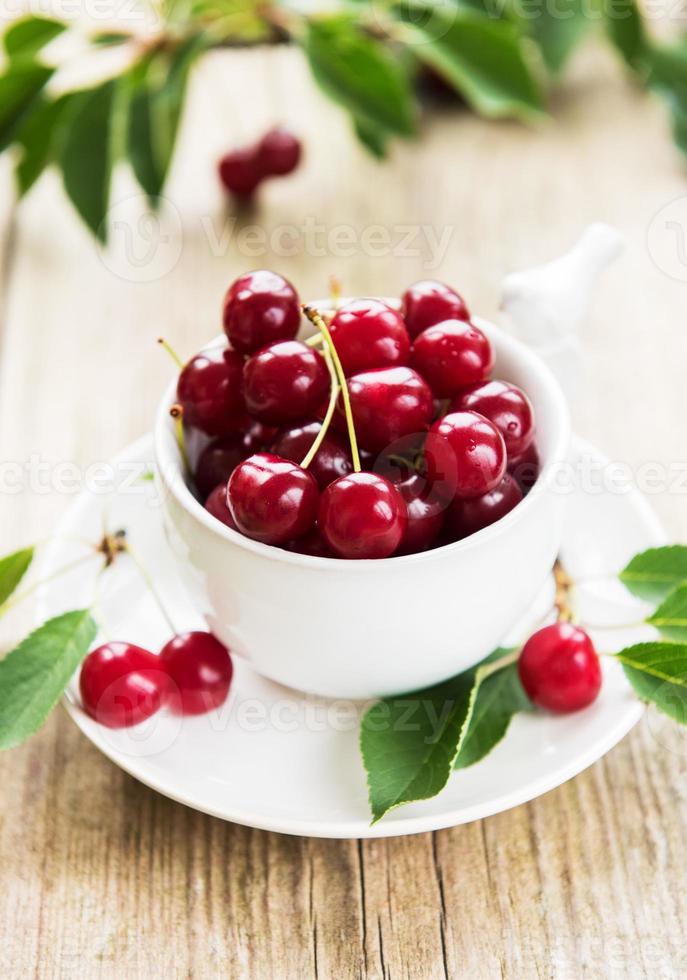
[
  {"x": 361, "y": 74},
  {"x": 39, "y": 139},
  {"x": 373, "y": 138},
  {"x": 86, "y": 157},
  {"x": 483, "y": 59},
  {"x": 654, "y": 573},
  {"x": 658, "y": 673},
  {"x": 670, "y": 619},
  {"x": 28, "y": 35},
  {"x": 499, "y": 697},
  {"x": 34, "y": 675},
  {"x": 557, "y": 28},
  {"x": 625, "y": 28},
  {"x": 19, "y": 87},
  {"x": 12, "y": 570},
  {"x": 110, "y": 37}
]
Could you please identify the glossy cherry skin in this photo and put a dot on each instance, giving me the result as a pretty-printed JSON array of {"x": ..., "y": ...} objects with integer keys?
[
  {"x": 217, "y": 461},
  {"x": 369, "y": 334},
  {"x": 216, "y": 504},
  {"x": 121, "y": 684},
  {"x": 465, "y": 455},
  {"x": 467, "y": 515},
  {"x": 210, "y": 391},
  {"x": 506, "y": 406},
  {"x": 387, "y": 404},
  {"x": 451, "y": 355},
  {"x": 241, "y": 171},
  {"x": 272, "y": 499},
  {"x": 425, "y": 515},
  {"x": 200, "y": 670},
  {"x": 429, "y": 302},
  {"x": 362, "y": 515},
  {"x": 259, "y": 309},
  {"x": 285, "y": 382},
  {"x": 559, "y": 668},
  {"x": 525, "y": 468},
  {"x": 331, "y": 461},
  {"x": 279, "y": 152}
]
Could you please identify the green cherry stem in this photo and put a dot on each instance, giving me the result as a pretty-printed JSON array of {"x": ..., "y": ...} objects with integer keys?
[
  {"x": 177, "y": 413},
  {"x": 147, "y": 578},
  {"x": 318, "y": 322},
  {"x": 172, "y": 353},
  {"x": 333, "y": 395}
]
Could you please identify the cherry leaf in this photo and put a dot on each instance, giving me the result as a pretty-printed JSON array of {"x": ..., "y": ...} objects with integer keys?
[
  {"x": 654, "y": 573},
  {"x": 499, "y": 698},
  {"x": 658, "y": 674},
  {"x": 670, "y": 619},
  {"x": 26, "y": 36},
  {"x": 12, "y": 570}
]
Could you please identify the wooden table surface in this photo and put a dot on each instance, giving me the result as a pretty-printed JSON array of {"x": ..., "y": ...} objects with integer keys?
[{"x": 102, "y": 877}]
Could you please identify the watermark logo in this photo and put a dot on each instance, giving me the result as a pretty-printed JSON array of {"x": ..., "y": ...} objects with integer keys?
[{"x": 667, "y": 239}]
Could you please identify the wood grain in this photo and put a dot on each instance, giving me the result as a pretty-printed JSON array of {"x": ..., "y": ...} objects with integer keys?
[{"x": 101, "y": 877}]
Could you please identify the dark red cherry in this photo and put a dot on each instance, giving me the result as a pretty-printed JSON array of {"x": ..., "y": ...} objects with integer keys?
[
  {"x": 210, "y": 391},
  {"x": 470, "y": 514},
  {"x": 121, "y": 684},
  {"x": 362, "y": 515},
  {"x": 279, "y": 152},
  {"x": 200, "y": 669},
  {"x": 216, "y": 504},
  {"x": 216, "y": 462},
  {"x": 260, "y": 308},
  {"x": 429, "y": 302},
  {"x": 465, "y": 455},
  {"x": 285, "y": 382},
  {"x": 369, "y": 334},
  {"x": 272, "y": 499},
  {"x": 312, "y": 543},
  {"x": 451, "y": 355},
  {"x": 525, "y": 467},
  {"x": 506, "y": 406},
  {"x": 387, "y": 404},
  {"x": 425, "y": 514},
  {"x": 241, "y": 171},
  {"x": 559, "y": 668},
  {"x": 331, "y": 461}
]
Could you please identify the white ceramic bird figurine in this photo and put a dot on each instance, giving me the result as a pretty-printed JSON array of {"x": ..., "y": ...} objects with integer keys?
[{"x": 546, "y": 304}]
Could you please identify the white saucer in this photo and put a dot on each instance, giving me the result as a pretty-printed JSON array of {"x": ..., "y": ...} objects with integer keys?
[{"x": 275, "y": 759}]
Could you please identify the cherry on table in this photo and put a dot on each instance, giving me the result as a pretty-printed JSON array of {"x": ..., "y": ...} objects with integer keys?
[
  {"x": 387, "y": 404},
  {"x": 428, "y": 302},
  {"x": 121, "y": 684},
  {"x": 216, "y": 504},
  {"x": 285, "y": 382},
  {"x": 279, "y": 152},
  {"x": 507, "y": 406},
  {"x": 260, "y": 308},
  {"x": 200, "y": 669},
  {"x": 425, "y": 514},
  {"x": 465, "y": 455},
  {"x": 369, "y": 334},
  {"x": 559, "y": 668},
  {"x": 332, "y": 460},
  {"x": 467, "y": 515},
  {"x": 241, "y": 171},
  {"x": 362, "y": 515},
  {"x": 451, "y": 355},
  {"x": 272, "y": 499},
  {"x": 210, "y": 391}
]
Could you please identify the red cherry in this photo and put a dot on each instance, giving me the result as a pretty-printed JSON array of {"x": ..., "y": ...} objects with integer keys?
[
  {"x": 387, "y": 404},
  {"x": 466, "y": 516},
  {"x": 425, "y": 515},
  {"x": 272, "y": 499},
  {"x": 279, "y": 152},
  {"x": 362, "y": 515},
  {"x": 331, "y": 461},
  {"x": 241, "y": 171},
  {"x": 216, "y": 504},
  {"x": 121, "y": 684},
  {"x": 210, "y": 391},
  {"x": 451, "y": 355},
  {"x": 200, "y": 669},
  {"x": 559, "y": 668},
  {"x": 465, "y": 455},
  {"x": 525, "y": 468},
  {"x": 216, "y": 462},
  {"x": 429, "y": 302},
  {"x": 260, "y": 308},
  {"x": 285, "y": 382},
  {"x": 369, "y": 334},
  {"x": 506, "y": 406},
  {"x": 312, "y": 543}
]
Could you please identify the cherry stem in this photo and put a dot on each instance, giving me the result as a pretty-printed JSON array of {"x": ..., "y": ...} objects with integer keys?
[
  {"x": 335, "y": 291},
  {"x": 315, "y": 341},
  {"x": 561, "y": 601},
  {"x": 333, "y": 395},
  {"x": 318, "y": 322},
  {"x": 172, "y": 353},
  {"x": 177, "y": 413},
  {"x": 18, "y": 597},
  {"x": 147, "y": 578}
]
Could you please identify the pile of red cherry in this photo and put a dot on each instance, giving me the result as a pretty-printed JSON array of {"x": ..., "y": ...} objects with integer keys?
[
  {"x": 276, "y": 154},
  {"x": 423, "y": 448}
]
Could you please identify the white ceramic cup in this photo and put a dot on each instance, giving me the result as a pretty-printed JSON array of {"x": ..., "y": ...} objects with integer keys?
[{"x": 359, "y": 629}]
